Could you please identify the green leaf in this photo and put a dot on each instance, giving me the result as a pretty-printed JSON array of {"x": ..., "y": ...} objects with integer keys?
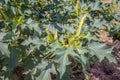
[
  {"x": 90, "y": 37},
  {"x": 67, "y": 73},
  {"x": 2, "y": 35},
  {"x": 46, "y": 73},
  {"x": 4, "y": 16},
  {"x": 34, "y": 40},
  {"x": 101, "y": 50},
  {"x": 83, "y": 57},
  {"x": 4, "y": 49},
  {"x": 62, "y": 59},
  {"x": 34, "y": 25},
  {"x": 8, "y": 36},
  {"x": 13, "y": 59},
  {"x": 52, "y": 47}
]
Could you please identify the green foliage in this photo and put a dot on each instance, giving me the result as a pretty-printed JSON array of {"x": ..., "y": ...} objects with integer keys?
[
  {"x": 116, "y": 35},
  {"x": 101, "y": 51},
  {"x": 45, "y": 34}
]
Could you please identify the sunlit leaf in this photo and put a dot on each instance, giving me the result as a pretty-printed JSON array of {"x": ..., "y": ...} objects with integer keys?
[
  {"x": 81, "y": 25},
  {"x": 77, "y": 7},
  {"x": 20, "y": 20},
  {"x": 50, "y": 37},
  {"x": 56, "y": 35}
]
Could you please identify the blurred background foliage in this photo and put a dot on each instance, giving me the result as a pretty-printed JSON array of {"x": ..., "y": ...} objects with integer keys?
[{"x": 39, "y": 35}]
